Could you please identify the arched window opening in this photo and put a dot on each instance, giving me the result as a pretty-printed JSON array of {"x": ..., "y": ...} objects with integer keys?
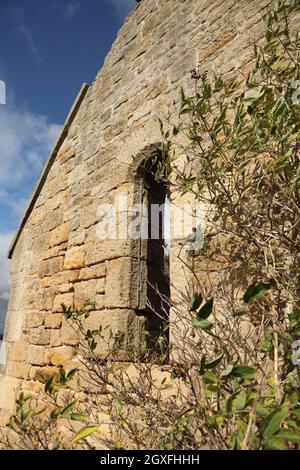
[{"x": 153, "y": 250}]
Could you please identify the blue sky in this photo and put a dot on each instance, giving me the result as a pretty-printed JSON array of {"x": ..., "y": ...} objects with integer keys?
[{"x": 47, "y": 50}]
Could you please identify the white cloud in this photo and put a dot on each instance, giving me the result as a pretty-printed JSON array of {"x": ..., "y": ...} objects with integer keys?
[
  {"x": 25, "y": 139},
  {"x": 25, "y": 142},
  {"x": 123, "y": 7},
  {"x": 71, "y": 9},
  {"x": 68, "y": 9},
  {"x": 21, "y": 28}
]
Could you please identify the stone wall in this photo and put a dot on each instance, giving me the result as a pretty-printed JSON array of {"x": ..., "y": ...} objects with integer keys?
[{"x": 57, "y": 257}]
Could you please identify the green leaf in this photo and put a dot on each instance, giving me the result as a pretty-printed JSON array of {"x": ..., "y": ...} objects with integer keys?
[
  {"x": 278, "y": 165},
  {"x": 55, "y": 413},
  {"x": 289, "y": 435},
  {"x": 84, "y": 433},
  {"x": 71, "y": 374},
  {"x": 206, "y": 310},
  {"x": 203, "y": 324},
  {"x": 274, "y": 421},
  {"x": 256, "y": 291},
  {"x": 210, "y": 377},
  {"x": 78, "y": 417},
  {"x": 10, "y": 424},
  {"x": 49, "y": 385},
  {"x": 65, "y": 411},
  {"x": 228, "y": 370},
  {"x": 176, "y": 130},
  {"x": 267, "y": 344},
  {"x": 245, "y": 372},
  {"x": 214, "y": 362},
  {"x": 202, "y": 365},
  {"x": 261, "y": 411},
  {"x": 197, "y": 301},
  {"x": 276, "y": 443},
  {"x": 237, "y": 402}
]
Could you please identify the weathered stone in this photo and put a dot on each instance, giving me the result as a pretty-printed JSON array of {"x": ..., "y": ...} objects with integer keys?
[
  {"x": 68, "y": 335},
  {"x": 53, "y": 320},
  {"x": 4, "y": 418},
  {"x": 94, "y": 272},
  {"x": 65, "y": 154},
  {"x": 39, "y": 336},
  {"x": 37, "y": 215},
  {"x": 118, "y": 283},
  {"x": 50, "y": 267},
  {"x": 73, "y": 275},
  {"x": 100, "y": 286},
  {"x": 63, "y": 299},
  {"x": 36, "y": 355},
  {"x": 52, "y": 252},
  {"x": 77, "y": 238},
  {"x": 99, "y": 251},
  {"x": 55, "y": 280},
  {"x": 65, "y": 289},
  {"x": 60, "y": 356},
  {"x": 42, "y": 374},
  {"x": 75, "y": 258},
  {"x": 59, "y": 235},
  {"x": 18, "y": 369},
  {"x": 35, "y": 319},
  {"x": 55, "y": 338},
  {"x": 112, "y": 322},
  {"x": 18, "y": 352},
  {"x": 8, "y": 389}
]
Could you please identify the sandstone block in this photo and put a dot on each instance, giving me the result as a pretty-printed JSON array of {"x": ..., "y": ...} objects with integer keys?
[
  {"x": 37, "y": 216},
  {"x": 36, "y": 355},
  {"x": 93, "y": 272},
  {"x": 100, "y": 286},
  {"x": 98, "y": 251},
  {"x": 112, "y": 322},
  {"x": 118, "y": 284},
  {"x": 68, "y": 335},
  {"x": 29, "y": 386},
  {"x": 73, "y": 276},
  {"x": 51, "y": 253},
  {"x": 18, "y": 352},
  {"x": 53, "y": 320},
  {"x": 54, "y": 221},
  {"x": 34, "y": 319},
  {"x": 76, "y": 238},
  {"x": 4, "y": 418},
  {"x": 65, "y": 289},
  {"x": 59, "y": 235},
  {"x": 65, "y": 154},
  {"x": 39, "y": 336},
  {"x": 18, "y": 369},
  {"x": 63, "y": 299},
  {"x": 59, "y": 356},
  {"x": 8, "y": 388},
  {"x": 50, "y": 267},
  {"x": 75, "y": 258},
  {"x": 55, "y": 338},
  {"x": 42, "y": 374}
]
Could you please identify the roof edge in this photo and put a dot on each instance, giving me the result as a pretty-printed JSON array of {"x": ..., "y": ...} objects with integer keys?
[{"x": 64, "y": 132}]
